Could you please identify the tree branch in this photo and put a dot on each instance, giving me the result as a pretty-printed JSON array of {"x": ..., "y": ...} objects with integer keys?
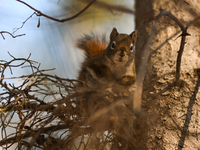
[
  {"x": 13, "y": 36},
  {"x": 16, "y": 29},
  {"x": 189, "y": 113},
  {"x": 39, "y": 13},
  {"x": 30, "y": 133},
  {"x": 137, "y": 100},
  {"x": 182, "y": 45}
]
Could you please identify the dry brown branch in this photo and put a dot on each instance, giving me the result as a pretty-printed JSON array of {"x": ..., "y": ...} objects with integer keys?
[
  {"x": 99, "y": 4},
  {"x": 184, "y": 132},
  {"x": 16, "y": 29},
  {"x": 183, "y": 38},
  {"x": 39, "y": 13},
  {"x": 183, "y": 35},
  {"x": 47, "y": 105},
  {"x": 137, "y": 100},
  {"x": 13, "y": 36}
]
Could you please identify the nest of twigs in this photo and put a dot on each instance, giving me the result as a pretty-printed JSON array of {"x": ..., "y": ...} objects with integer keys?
[{"x": 48, "y": 112}]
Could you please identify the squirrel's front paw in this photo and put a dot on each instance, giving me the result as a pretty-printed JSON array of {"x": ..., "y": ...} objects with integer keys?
[{"x": 127, "y": 80}]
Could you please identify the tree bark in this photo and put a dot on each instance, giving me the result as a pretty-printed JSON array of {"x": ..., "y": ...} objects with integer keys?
[{"x": 173, "y": 113}]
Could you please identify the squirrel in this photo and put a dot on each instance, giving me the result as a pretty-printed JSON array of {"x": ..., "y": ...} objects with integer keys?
[{"x": 108, "y": 65}]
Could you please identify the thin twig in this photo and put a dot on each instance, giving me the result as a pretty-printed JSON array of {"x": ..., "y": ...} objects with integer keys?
[
  {"x": 137, "y": 100},
  {"x": 13, "y": 36},
  {"x": 16, "y": 29},
  {"x": 189, "y": 114},
  {"x": 183, "y": 35},
  {"x": 180, "y": 52},
  {"x": 39, "y": 13}
]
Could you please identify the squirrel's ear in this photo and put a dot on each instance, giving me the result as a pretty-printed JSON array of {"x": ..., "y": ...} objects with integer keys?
[
  {"x": 113, "y": 34},
  {"x": 133, "y": 36}
]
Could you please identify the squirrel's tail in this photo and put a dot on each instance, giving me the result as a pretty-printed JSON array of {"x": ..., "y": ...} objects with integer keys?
[{"x": 92, "y": 44}]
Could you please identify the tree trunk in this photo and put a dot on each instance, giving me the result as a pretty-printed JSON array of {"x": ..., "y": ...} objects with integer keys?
[{"x": 173, "y": 113}]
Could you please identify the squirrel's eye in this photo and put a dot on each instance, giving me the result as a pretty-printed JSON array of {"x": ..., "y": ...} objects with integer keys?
[
  {"x": 131, "y": 48},
  {"x": 113, "y": 45}
]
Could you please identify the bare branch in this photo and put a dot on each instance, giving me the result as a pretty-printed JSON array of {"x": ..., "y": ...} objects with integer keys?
[
  {"x": 183, "y": 35},
  {"x": 13, "y": 36},
  {"x": 189, "y": 113},
  {"x": 16, "y": 29},
  {"x": 46, "y": 104},
  {"x": 39, "y": 13},
  {"x": 137, "y": 100}
]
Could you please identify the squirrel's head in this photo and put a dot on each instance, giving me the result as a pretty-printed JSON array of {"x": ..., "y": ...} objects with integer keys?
[{"x": 121, "y": 47}]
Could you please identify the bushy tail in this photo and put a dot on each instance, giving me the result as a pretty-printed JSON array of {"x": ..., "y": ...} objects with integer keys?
[{"x": 92, "y": 44}]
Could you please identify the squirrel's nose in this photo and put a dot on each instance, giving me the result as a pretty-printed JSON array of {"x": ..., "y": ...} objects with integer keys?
[{"x": 122, "y": 53}]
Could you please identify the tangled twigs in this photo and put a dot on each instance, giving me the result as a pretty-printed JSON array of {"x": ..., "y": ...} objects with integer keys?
[
  {"x": 43, "y": 105},
  {"x": 23, "y": 101}
]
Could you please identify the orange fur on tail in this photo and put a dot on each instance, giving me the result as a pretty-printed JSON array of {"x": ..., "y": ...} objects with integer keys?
[
  {"x": 95, "y": 47},
  {"x": 92, "y": 44}
]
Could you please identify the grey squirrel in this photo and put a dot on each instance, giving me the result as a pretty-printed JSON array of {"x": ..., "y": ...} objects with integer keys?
[{"x": 108, "y": 65}]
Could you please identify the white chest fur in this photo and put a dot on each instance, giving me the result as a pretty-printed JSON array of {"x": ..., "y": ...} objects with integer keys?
[{"x": 123, "y": 70}]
